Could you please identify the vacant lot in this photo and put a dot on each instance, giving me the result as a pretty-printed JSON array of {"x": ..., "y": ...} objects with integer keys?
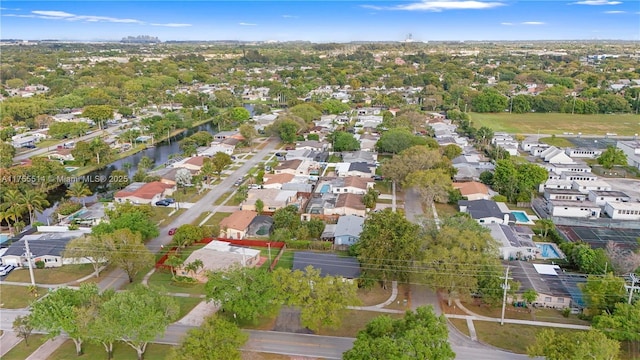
[
  {"x": 59, "y": 275},
  {"x": 557, "y": 123}
]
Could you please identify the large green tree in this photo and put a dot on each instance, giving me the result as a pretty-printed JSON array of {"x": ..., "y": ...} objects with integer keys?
[
  {"x": 7, "y": 152},
  {"x": 63, "y": 310},
  {"x": 432, "y": 185},
  {"x": 89, "y": 248},
  {"x": 220, "y": 161},
  {"x": 612, "y": 156},
  {"x": 98, "y": 113},
  {"x": 602, "y": 293},
  {"x": 388, "y": 246},
  {"x": 248, "y": 293},
  {"x": 419, "y": 335},
  {"x": 622, "y": 324},
  {"x": 142, "y": 315},
  {"x": 580, "y": 345},
  {"x": 409, "y": 160},
  {"x": 322, "y": 299},
  {"x": 396, "y": 140},
  {"x": 344, "y": 141},
  {"x": 216, "y": 339},
  {"x": 126, "y": 250}
]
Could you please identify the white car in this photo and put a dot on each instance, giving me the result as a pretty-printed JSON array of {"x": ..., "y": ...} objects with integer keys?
[{"x": 6, "y": 269}]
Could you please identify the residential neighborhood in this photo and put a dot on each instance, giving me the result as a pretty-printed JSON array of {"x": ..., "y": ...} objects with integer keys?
[{"x": 281, "y": 211}]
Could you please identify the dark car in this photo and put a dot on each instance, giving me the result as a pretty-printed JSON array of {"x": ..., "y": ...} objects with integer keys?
[
  {"x": 172, "y": 231},
  {"x": 163, "y": 202},
  {"x": 170, "y": 200},
  {"x": 29, "y": 146},
  {"x": 377, "y": 177}
]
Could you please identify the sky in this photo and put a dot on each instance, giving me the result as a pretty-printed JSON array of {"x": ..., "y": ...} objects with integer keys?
[{"x": 322, "y": 21}]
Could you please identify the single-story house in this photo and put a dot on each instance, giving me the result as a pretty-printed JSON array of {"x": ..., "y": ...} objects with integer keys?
[
  {"x": 555, "y": 288},
  {"x": 512, "y": 245},
  {"x": 312, "y": 145},
  {"x": 349, "y": 184},
  {"x": 168, "y": 175},
  {"x": 360, "y": 169},
  {"x": 348, "y": 229},
  {"x": 275, "y": 181},
  {"x": 193, "y": 163},
  {"x": 359, "y": 156},
  {"x": 273, "y": 199},
  {"x": 586, "y": 186},
  {"x": 329, "y": 264},
  {"x": 473, "y": 190},
  {"x": 632, "y": 150},
  {"x": 564, "y": 194},
  {"x": 623, "y": 210},
  {"x": 218, "y": 256},
  {"x": 579, "y": 209},
  {"x": 47, "y": 247},
  {"x": 217, "y": 147},
  {"x": 61, "y": 154},
  {"x": 603, "y": 197},
  {"x": 144, "y": 193},
  {"x": 222, "y": 135},
  {"x": 236, "y": 225},
  {"x": 287, "y": 167},
  {"x": 485, "y": 212},
  {"x": 350, "y": 204}
]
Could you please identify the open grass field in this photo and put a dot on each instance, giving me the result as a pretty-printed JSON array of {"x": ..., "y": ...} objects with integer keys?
[
  {"x": 16, "y": 297},
  {"x": 511, "y": 337},
  {"x": 60, "y": 275},
  {"x": 559, "y": 123},
  {"x": 163, "y": 279},
  {"x": 557, "y": 142}
]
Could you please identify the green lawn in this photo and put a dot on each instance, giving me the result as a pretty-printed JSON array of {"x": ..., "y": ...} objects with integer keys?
[
  {"x": 558, "y": 123},
  {"x": 286, "y": 260},
  {"x": 163, "y": 279},
  {"x": 191, "y": 195},
  {"x": 446, "y": 210},
  {"x": 161, "y": 213},
  {"x": 16, "y": 297},
  {"x": 22, "y": 351},
  {"x": 60, "y": 275},
  {"x": 384, "y": 187},
  {"x": 354, "y": 321},
  {"x": 47, "y": 143},
  {"x": 187, "y": 304},
  {"x": 512, "y": 337},
  {"x": 222, "y": 198},
  {"x": 216, "y": 218},
  {"x": 557, "y": 141},
  {"x": 200, "y": 217},
  {"x": 121, "y": 351}
]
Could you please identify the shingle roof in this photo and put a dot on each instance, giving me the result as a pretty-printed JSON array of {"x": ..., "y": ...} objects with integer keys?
[
  {"x": 470, "y": 188},
  {"x": 239, "y": 220},
  {"x": 350, "y": 225},
  {"x": 480, "y": 209},
  {"x": 353, "y": 201}
]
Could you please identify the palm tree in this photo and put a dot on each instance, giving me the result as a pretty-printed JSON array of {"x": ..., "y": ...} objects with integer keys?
[
  {"x": 194, "y": 266},
  {"x": 78, "y": 190},
  {"x": 33, "y": 201},
  {"x": 11, "y": 210}
]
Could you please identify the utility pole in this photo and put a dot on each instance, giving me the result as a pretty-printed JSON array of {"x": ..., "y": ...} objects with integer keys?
[
  {"x": 269, "y": 246},
  {"x": 505, "y": 288},
  {"x": 26, "y": 245},
  {"x": 633, "y": 287}
]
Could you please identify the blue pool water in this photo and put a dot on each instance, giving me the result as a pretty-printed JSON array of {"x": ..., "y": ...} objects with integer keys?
[
  {"x": 324, "y": 188},
  {"x": 548, "y": 251},
  {"x": 3, "y": 238},
  {"x": 521, "y": 216}
]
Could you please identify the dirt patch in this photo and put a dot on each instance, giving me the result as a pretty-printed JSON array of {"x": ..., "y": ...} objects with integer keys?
[{"x": 288, "y": 320}]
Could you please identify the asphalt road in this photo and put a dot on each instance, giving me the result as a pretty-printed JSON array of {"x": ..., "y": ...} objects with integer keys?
[{"x": 118, "y": 278}]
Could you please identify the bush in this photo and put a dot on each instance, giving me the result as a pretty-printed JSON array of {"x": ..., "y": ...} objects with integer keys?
[
  {"x": 184, "y": 281},
  {"x": 298, "y": 244},
  {"x": 40, "y": 264},
  {"x": 74, "y": 227},
  {"x": 566, "y": 312},
  {"x": 499, "y": 198},
  {"x": 68, "y": 208}
]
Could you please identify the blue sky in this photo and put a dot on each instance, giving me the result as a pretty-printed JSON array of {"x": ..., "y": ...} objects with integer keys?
[{"x": 322, "y": 21}]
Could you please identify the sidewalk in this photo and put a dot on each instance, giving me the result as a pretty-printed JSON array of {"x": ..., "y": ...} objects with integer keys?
[
  {"x": 8, "y": 341},
  {"x": 380, "y": 307},
  {"x": 48, "y": 348}
]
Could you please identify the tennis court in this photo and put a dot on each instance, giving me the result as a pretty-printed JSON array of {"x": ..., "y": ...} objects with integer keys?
[{"x": 599, "y": 237}]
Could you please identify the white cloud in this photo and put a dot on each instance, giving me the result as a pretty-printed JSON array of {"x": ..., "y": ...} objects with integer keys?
[
  {"x": 174, "y": 25},
  {"x": 246, "y": 24},
  {"x": 615, "y": 12},
  {"x": 597, "y": 2},
  {"x": 533, "y": 23},
  {"x": 290, "y": 16},
  {"x": 506, "y": 23},
  {"x": 440, "y": 5},
  {"x": 63, "y": 15}
]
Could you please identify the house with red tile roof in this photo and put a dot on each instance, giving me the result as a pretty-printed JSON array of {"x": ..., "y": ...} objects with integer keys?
[
  {"x": 235, "y": 226},
  {"x": 473, "y": 190},
  {"x": 144, "y": 193}
]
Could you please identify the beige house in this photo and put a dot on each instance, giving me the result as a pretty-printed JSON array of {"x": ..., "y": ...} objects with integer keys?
[
  {"x": 61, "y": 154},
  {"x": 144, "y": 193},
  {"x": 288, "y": 167},
  {"x": 235, "y": 226},
  {"x": 218, "y": 256},
  {"x": 275, "y": 181},
  {"x": 193, "y": 163},
  {"x": 349, "y": 204},
  {"x": 473, "y": 190},
  {"x": 273, "y": 199}
]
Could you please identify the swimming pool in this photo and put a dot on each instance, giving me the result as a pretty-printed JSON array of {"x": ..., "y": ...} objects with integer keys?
[
  {"x": 521, "y": 216},
  {"x": 548, "y": 251},
  {"x": 3, "y": 238},
  {"x": 71, "y": 168},
  {"x": 324, "y": 188}
]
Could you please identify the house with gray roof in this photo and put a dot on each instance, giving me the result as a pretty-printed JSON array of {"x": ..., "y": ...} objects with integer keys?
[
  {"x": 348, "y": 230},
  {"x": 556, "y": 289},
  {"x": 485, "y": 212},
  {"x": 511, "y": 244},
  {"x": 47, "y": 248}
]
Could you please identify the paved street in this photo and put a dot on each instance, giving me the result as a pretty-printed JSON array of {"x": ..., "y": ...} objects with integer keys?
[{"x": 118, "y": 278}]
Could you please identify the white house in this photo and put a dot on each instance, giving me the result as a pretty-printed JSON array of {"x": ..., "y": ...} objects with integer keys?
[
  {"x": 623, "y": 210},
  {"x": 564, "y": 194},
  {"x": 555, "y": 184},
  {"x": 632, "y": 150},
  {"x": 553, "y": 155},
  {"x": 485, "y": 212},
  {"x": 583, "y": 153},
  {"x": 586, "y": 186},
  {"x": 511, "y": 244},
  {"x": 603, "y": 197},
  {"x": 217, "y": 147},
  {"x": 577, "y": 209}
]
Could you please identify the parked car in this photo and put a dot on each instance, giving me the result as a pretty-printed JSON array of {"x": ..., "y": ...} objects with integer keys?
[
  {"x": 29, "y": 146},
  {"x": 377, "y": 177},
  {"x": 6, "y": 269},
  {"x": 163, "y": 202},
  {"x": 238, "y": 182},
  {"x": 170, "y": 200},
  {"x": 255, "y": 186},
  {"x": 172, "y": 231}
]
